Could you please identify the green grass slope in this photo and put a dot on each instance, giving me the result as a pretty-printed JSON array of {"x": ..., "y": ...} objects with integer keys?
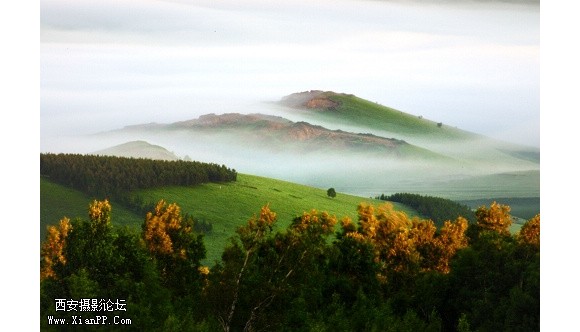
[
  {"x": 351, "y": 110},
  {"x": 230, "y": 205},
  {"x": 226, "y": 206},
  {"x": 57, "y": 201},
  {"x": 509, "y": 184}
]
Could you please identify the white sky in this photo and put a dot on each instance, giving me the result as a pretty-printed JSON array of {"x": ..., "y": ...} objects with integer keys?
[{"x": 124, "y": 62}]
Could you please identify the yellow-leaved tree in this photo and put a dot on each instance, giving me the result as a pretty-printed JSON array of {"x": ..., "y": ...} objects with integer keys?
[
  {"x": 495, "y": 218},
  {"x": 52, "y": 249},
  {"x": 403, "y": 244},
  {"x": 530, "y": 232},
  {"x": 178, "y": 250},
  {"x": 451, "y": 238},
  {"x": 161, "y": 229},
  {"x": 100, "y": 215},
  {"x": 251, "y": 236}
]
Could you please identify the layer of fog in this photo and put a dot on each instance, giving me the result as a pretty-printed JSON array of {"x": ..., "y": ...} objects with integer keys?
[
  {"x": 108, "y": 64},
  {"x": 365, "y": 174}
]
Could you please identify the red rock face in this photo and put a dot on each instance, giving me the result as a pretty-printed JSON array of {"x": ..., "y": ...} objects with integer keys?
[
  {"x": 314, "y": 99},
  {"x": 321, "y": 103},
  {"x": 303, "y": 132},
  {"x": 269, "y": 130}
]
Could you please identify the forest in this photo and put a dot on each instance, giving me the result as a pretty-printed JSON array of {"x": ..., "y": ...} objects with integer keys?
[
  {"x": 108, "y": 176},
  {"x": 381, "y": 272},
  {"x": 435, "y": 208}
]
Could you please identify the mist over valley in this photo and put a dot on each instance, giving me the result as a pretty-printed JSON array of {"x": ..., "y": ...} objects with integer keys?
[
  {"x": 425, "y": 94},
  {"x": 414, "y": 154}
]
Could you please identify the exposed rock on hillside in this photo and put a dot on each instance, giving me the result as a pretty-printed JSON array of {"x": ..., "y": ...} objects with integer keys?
[{"x": 314, "y": 99}]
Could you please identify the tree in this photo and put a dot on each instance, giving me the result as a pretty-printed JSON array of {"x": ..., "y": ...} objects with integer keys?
[
  {"x": 497, "y": 218},
  {"x": 331, "y": 192},
  {"x": 90, "y": 259},
  {"x": 52, "y": 249},
  {"x": 530, "y": 232},
  {"x": 238, "y": 257},
  {"x": 176, "y": 248},
  {"x": 264, "y": 271}
]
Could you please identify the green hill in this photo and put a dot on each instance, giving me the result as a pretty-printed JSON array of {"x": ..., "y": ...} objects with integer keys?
[
  {"x": 225, "y": 206},
  {"x": 356, "y": 114},
  {"x": 351, "y": 110},
  {"x": 325, "y": 139},
  {"x": 268, "y": 133},
  {"x": 138, "y": 149}
]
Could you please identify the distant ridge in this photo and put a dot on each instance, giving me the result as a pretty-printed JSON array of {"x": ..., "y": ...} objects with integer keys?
[
  {"x": 329, "y": 139},
  {"x": 138, "y": 149},
  {"x": 280, "y": 133},
  {"x": 349, "y": 109}
]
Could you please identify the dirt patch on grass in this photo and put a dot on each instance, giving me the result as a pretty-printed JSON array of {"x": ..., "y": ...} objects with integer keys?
[{"x": 322, "y": 103}]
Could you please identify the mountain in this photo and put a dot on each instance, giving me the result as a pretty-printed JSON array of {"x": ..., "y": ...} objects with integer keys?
[
  {"x": 276, "y": 134},
  {"x": 138, "y": 149},
  {"x": 349, "y": 110},
  {"x": 354, "y": 113},
  {"x": 327, "y": 139}
]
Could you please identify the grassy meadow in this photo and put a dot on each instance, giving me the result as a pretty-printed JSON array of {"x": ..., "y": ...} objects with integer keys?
[
  {"x": 229, "y": 205},
  {"x": 353, "y": 110},
  {"x": 57, "y": 201},
  {"x": 225, "y": 205}
]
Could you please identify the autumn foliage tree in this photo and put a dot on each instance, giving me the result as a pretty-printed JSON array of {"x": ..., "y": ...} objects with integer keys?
[
  {"x": 90, "y": 259},
  {"x": 407, "y": 245},
  {"x": 100, "y": 216},
  {"x": 497, "y": 275},
  {"x": 264, "y": 270},
  {"x": 450, "y": 239},
  {"x": 176, "y": 248},
  {"x": 52, "y": 249},
  {"x": 530, "y": 232},
  {"x": 57, "y": 249},
  {"x": 237, "y": 260},
  {"x": 495, "y": 218},
  {"x": 385, "y": 271},
  {"x": 435, "y": 208}
]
